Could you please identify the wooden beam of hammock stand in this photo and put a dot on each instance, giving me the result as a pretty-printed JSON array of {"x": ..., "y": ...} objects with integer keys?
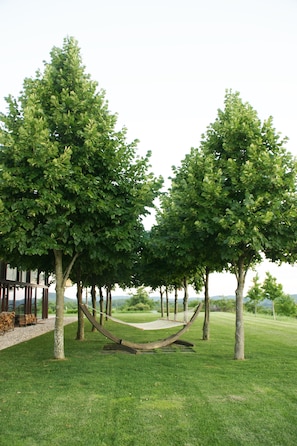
[{"x": 136, "y": 347}]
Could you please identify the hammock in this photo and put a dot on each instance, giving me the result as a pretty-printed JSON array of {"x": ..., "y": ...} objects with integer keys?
[
  {"x": 135, "y": 347},
  {"x": 159, "y": 324}
]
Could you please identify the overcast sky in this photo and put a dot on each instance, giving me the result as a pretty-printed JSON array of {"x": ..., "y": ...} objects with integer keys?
[{"x": 165, "y": 66}]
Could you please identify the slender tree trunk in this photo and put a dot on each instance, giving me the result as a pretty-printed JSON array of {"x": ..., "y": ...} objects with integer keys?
[
  {"x": 93, "y": 294},
  {"x": 273, "y": 310},
  {"x": 167, "y": 302},
  {"x": 239, "y": 325},
  {"x": 161, "y": 301},
  {"x": 206, "y": 331},
  {"x": 106, "y": 303},
  {"x": 80, "y": 334},
  {"x": 175, "y": 302},
  {"x": 101, "y": 302},
  {"x": 186, "y": 299},
  {"x": 110, "y": 301},
  {"x": 61, "y": 278},
  {"x": 59, "y": 321}
]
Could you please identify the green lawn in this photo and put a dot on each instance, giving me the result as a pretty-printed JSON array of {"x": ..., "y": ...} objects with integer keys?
[{"x": 164, "y": 398}]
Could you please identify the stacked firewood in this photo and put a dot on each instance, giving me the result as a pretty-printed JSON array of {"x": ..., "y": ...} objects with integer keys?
[
  {"x": 25, "y": 319},
  {"x": 6, "y": 321}
]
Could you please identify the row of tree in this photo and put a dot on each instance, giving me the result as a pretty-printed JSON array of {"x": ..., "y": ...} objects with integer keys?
[
  {"x": 74, "y": 193},
  {"x": 282, "y": 303},
  {"x": 232, "y": 201}
]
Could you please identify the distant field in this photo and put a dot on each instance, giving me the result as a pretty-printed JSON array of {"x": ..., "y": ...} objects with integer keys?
[{"x": 183, "y": 398}]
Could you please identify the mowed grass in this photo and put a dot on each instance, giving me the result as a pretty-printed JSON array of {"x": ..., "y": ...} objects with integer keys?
[{"x": 200, "y": 397}]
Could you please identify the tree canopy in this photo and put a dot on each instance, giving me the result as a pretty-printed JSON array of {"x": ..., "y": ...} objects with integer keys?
[
  {"x": 235, "y": 196},
  {"x": 70, "y": 182},
  {"x": 72, "y": 186}
]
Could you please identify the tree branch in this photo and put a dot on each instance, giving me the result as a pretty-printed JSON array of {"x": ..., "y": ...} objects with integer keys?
[{"x": 69, "y": 268}]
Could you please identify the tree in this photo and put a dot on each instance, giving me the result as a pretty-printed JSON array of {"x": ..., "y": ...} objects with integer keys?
[
  {"x": 70, "y": 183},
  {"x": 176, "y": 248},
  {"x": 250, "y": 182},
  {"x": 189, "y": 247},
  {"x": 285, "y": 305},
  {"x": 139, "y": 301},
  {"x": 272, "y": 291},
  {"x": 282, "y": 303},
  {"x": 237, "y": 196},
  {"x": 255, "y": 293}
]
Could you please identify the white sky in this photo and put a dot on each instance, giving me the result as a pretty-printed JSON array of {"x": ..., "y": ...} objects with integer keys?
[{"x": 165, "y": 66}]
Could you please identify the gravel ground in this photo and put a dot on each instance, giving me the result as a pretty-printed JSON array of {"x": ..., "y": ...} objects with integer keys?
[{"x": 22, "y": 334}]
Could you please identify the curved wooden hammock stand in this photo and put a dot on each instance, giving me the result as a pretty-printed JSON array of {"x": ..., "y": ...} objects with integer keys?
[{"x": 135, "y": 347}]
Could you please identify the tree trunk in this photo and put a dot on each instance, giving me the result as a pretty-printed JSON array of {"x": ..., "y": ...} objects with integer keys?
[
  {"x": 167, "y": 302},
  {"x": 101, "y": 302},
  {"x": 161, "y": 302},
  {"x": 239, "y": 326},
  {"x": 61, "y": 278},
  {"x": 80, "y": 334},
  {"x": 93, "y": 294},
  {"x": 186, "y": 299},
  {"x": 106, "y": 303},
  {"x": 206, "y": 331},
  {"x": 175, "y": 302},
  {"x": 109, "y": 302},
  {"x": 59, "y": 321}
]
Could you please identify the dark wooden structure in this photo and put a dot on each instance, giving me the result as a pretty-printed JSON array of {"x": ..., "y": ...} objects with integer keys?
[{"x": 20, "y": 292}]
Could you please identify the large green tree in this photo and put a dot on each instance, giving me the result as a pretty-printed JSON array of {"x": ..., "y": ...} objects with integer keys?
[
  {"x": 70, "y": 182},
  {"x": 252, "y": 187},
  {"x": 237, "y": 193}
]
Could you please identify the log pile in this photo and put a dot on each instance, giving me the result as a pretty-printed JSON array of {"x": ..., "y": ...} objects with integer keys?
[
  {"x": 6, "y": 322},
  {"x": 22, "y": 320}
]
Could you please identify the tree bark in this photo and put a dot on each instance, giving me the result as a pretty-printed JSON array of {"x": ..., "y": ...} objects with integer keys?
[
  {"x": 186, "y": 299},
  {"x": 59, "y": 321},
  {"x": 101, "y": 304},
  {"x": 167, "y": 302},
  {"x": 239, "y": 325},
  {"x": 93, "y": 294},
  {"x": 61, "y": 278},
  {"x": 80, "y": 334},
  {"x": 161, "y": 301},
  {"x": 206, "y": 331},
  {"x": 175, "y": 302},
  {"x": 108, "y": 303}
]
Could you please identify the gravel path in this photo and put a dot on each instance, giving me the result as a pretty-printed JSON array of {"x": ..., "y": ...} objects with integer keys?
[{"x": 22, "y": 334}]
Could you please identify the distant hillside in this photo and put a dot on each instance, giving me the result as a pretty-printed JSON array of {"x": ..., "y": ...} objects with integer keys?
[{"x": 52, "y": 298}]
